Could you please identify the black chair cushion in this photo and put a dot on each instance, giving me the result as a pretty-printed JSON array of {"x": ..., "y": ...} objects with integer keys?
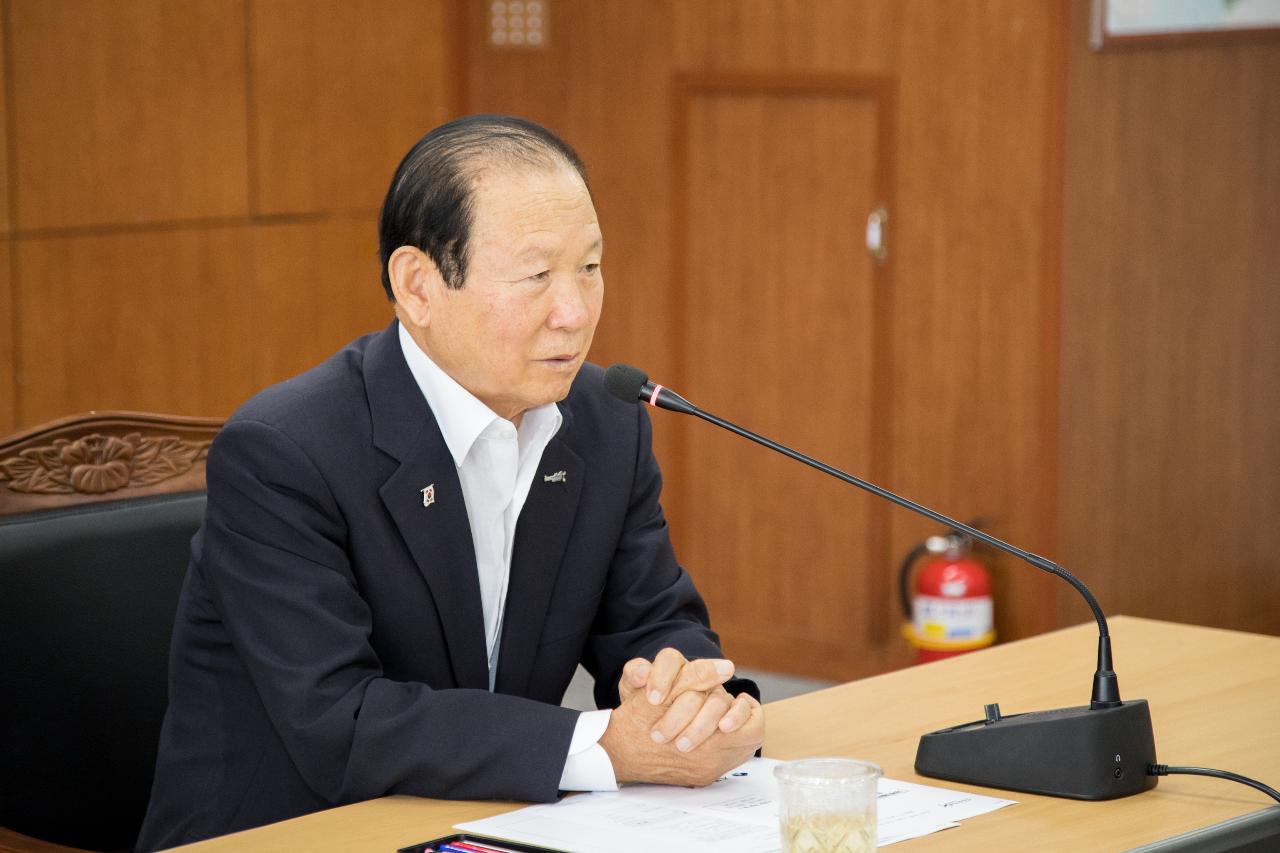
[{"x": 87, "y": 603}]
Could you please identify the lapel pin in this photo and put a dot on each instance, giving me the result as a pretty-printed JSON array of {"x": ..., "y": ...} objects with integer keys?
[
  {"x": 429, "y": 495},
  {"x": 557, "y": 477}
]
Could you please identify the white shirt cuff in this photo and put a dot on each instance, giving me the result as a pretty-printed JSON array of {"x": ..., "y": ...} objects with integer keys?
[{"x": 588, "y": 767}]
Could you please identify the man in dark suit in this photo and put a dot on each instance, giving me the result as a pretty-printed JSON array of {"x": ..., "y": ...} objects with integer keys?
[{"x": 364, "y": 616}]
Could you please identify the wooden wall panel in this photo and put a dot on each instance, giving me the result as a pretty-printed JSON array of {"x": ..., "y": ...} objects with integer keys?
[
  {"x": 128, "y": 112},
  {"x": 967, "y": 243},
  {"x": 317, "y": 287},
  {"x": 6, "y": 75},
  {"x": 1170, "y": 458},
  {"x": 786, "y": 35},
  {"x": 153, "y": 321},
  {"x": 341, "y": 90},
  {"x": 134, "y": 126},
  {"x": 8, "y": 378}
]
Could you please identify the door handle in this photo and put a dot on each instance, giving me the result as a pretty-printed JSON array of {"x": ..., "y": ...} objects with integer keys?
[{"x": 877, "y": 242}]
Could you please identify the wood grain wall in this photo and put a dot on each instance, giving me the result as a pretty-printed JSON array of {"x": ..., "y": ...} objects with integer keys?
[
  {"x": 974, "y": 289},
  {"x": 1170, "y": 485},
  {"x": 1075, "y": 321},
  {"x": 190, "y": 191}
]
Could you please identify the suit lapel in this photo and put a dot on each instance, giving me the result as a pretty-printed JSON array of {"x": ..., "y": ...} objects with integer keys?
[
  {"x": 439, "y": 535},
  {"x": 542, "y": 533}
]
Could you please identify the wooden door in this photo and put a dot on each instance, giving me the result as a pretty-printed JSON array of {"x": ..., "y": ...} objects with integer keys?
[{"x": 775, "y": 178}]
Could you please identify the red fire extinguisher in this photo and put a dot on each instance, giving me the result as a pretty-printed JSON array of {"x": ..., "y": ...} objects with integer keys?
[{"x": 951, "y": 611}]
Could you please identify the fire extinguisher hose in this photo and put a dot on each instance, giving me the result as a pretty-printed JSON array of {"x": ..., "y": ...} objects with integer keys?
[{"x": 904, "y": 578}]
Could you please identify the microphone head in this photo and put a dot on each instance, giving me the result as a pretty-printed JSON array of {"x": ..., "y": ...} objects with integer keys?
[{"x": 625, "y": 382}]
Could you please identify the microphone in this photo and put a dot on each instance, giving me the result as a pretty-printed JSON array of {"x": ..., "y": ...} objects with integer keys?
[
  {"x": 1100, "y": 751},
  {"x": 631, "y": 384}
]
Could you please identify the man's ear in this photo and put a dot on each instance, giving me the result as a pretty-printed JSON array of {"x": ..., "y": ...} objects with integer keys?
[{"x": 414, "y": 278}]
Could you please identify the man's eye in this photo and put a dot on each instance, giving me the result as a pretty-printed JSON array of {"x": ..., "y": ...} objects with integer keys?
[
  {"x": 541, "y": 276},
  {"x": 590, "y": 269}
]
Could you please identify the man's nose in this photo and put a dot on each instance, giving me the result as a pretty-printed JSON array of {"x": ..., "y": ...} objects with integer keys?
[{"x": 569, "y": 309}]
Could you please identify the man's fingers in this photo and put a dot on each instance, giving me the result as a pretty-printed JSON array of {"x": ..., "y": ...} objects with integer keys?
[
  {"x": 702, "y": 675},
  {"x": 637, "y": 672},
  {"x": 738, "y": 714},
  {"x": 684, "y": 711},
  {"x": 754, "y": 725},
  {"x": 634, "y": 675},
  {"x": 629, "y": 742},
  {"x": 672, "y": 675},
  {"x": 706, "y": 721},
  {"x": 666, "y": 667}
]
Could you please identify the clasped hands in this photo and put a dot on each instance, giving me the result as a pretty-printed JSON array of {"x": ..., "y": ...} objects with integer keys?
[{"x": 677, "y": 725}]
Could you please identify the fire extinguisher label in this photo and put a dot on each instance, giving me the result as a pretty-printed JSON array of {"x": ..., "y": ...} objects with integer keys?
[{"x": 945, "y": 619}]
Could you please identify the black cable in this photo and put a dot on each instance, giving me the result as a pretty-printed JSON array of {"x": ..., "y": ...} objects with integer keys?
[{"x": 1166, "y": 770}]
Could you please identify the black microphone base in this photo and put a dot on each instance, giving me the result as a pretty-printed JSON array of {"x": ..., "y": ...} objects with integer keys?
[{"x": 1078, "y": 753}]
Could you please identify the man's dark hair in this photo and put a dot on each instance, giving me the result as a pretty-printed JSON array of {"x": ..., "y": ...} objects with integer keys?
[{"x": 429, "y": 204}]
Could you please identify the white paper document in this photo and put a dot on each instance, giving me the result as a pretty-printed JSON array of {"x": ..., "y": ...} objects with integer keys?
[{"x": 738, "y": 813}]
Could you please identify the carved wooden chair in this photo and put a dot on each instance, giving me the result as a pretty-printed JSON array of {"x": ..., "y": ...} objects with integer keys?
[{"x": 96, "y": 517}]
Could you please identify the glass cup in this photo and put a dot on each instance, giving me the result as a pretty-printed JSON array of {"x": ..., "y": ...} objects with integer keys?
[{"x": 827, "y": 805}]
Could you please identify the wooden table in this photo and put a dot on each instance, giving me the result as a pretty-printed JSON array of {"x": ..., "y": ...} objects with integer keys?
[{"x": 1215, "y": 702}]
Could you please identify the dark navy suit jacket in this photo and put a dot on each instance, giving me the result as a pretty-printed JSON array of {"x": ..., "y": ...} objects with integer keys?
[{"x": 329, "y": 644}]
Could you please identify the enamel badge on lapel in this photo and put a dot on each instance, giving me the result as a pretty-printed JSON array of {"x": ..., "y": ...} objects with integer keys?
[
  {"x": 429, "y": 495},
  {"x": 557, "y": 477}
]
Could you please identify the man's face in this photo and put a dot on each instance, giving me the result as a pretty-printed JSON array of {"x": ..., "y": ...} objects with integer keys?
[{"x": 517, "y": 331}]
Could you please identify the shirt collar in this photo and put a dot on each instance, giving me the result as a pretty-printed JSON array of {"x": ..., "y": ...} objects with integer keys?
[{"x": 460, "y": 414}]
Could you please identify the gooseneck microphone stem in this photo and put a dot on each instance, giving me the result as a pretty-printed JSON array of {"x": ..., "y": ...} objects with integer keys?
[
  {"x": 1106, "y": 690},
  {"x": 1100, "y": 751},
  {"x": 1084, "y": 753}
]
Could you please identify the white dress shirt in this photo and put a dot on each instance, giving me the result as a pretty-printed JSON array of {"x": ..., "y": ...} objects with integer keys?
[{"x": 496, "y": 465}]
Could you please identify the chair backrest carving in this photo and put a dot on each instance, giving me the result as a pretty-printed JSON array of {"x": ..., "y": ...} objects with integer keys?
[{"x": 102, "y": 456}]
